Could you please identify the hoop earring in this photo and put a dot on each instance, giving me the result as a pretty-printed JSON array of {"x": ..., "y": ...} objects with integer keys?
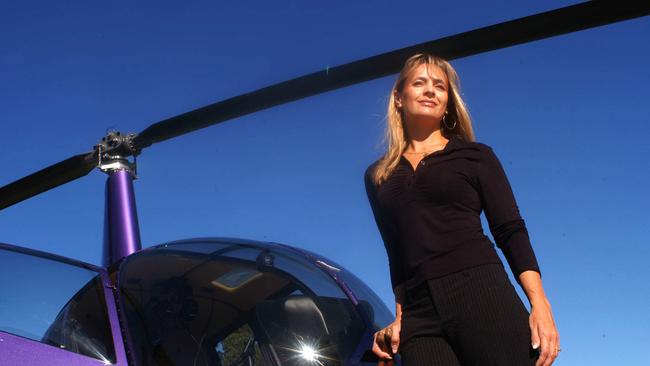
[{"x": 444, "y": 121}]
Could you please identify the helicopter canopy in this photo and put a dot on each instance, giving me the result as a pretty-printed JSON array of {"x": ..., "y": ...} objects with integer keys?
[{"x": 209, "y": 302}]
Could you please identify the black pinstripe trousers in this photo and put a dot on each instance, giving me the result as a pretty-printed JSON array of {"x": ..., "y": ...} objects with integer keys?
[{"x": 470, "y": 318}]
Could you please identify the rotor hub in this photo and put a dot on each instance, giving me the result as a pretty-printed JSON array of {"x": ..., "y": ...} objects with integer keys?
[{"x": 114, "y": 151}]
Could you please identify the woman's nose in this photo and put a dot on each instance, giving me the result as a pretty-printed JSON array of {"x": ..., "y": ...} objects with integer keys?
[{"x": 429, "y": 89}]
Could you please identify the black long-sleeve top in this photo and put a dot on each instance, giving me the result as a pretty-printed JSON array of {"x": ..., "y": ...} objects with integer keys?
[{"x": 429, "y": 218}]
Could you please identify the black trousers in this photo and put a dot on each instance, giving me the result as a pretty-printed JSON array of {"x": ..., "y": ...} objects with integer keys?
[{"x": 470, "y": 318}]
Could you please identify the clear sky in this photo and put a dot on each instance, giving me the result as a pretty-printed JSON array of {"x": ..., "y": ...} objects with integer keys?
[{"x": 567, "y": 116}]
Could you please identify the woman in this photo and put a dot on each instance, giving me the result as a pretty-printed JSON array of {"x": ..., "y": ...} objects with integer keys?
[{"x": 454, "y": 304}]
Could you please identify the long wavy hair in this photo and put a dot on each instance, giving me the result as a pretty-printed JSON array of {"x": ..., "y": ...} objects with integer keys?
[{"x": 396, "y": 138}]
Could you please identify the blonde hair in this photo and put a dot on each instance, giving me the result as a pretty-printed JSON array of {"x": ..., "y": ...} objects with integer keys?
[{"x": 457, "y": 114}]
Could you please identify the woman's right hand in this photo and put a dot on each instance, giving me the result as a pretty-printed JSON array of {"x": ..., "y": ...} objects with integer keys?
[{"x": 386, "y": 343}]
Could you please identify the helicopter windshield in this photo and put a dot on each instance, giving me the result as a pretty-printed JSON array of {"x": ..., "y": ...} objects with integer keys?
[
  {"x": 55, "y": 303},
  {"x": 215, "y": 303}
]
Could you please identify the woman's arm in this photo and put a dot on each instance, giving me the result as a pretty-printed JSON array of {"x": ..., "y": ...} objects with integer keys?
[
  {"x": 510, "y": 234},
  {"x": 544, "y": 333},
  {"x": 387, "y": 234},
  {"x": 502, "y": 213},
  {"x": 386, "y": 341},
  {"x": 399, "y": 300}
]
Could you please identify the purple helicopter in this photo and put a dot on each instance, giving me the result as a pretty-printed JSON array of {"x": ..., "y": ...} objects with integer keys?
[{"x": 215, "y": 301}]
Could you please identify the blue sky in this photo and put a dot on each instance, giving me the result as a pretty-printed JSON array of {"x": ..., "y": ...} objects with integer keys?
[{"x": 567, "y": 116}]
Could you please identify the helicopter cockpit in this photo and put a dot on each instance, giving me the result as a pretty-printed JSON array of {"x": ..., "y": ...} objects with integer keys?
[{"x": 225, "y": 303}]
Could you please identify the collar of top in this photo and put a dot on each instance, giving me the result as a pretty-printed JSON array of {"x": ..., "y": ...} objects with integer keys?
[{"x": 457, "y": 147}]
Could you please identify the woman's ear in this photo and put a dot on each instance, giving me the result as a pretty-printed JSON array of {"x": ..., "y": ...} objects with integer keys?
[{"x": 398, "y": 100}]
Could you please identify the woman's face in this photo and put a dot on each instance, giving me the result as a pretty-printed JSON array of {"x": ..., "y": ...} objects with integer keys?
[{"x": 424, "y": 94}]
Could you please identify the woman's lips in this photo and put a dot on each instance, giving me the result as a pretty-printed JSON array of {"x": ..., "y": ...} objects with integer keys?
[{"x": 428, "y": 103}]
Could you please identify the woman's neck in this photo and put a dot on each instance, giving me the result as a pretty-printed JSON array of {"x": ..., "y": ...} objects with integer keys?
[{"x": 425, "y": 139}]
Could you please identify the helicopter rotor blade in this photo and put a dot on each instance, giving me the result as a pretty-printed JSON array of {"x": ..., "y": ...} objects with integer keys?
[
  {"x": 531, "y": 28},
  {"x": 535, "y": 27},
  {"x": 48, "y": 178}
]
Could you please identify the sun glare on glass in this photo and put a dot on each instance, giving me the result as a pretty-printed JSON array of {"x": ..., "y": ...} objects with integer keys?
[{"x": 308, "y": 353}]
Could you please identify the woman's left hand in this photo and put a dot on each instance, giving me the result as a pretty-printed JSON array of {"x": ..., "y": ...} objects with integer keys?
[{"x": 544, "y": 334}]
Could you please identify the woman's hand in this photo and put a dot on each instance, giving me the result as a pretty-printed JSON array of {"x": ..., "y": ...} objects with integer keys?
[
  {"x": 544, "y": 334},
  {"x": 386, "y": 343}
]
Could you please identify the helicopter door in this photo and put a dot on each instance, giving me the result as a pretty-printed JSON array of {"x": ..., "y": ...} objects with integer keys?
[{"x": 56, "y": 311}]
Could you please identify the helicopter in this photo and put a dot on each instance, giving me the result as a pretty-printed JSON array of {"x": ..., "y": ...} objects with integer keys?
[{"x": 148, "y": 317}]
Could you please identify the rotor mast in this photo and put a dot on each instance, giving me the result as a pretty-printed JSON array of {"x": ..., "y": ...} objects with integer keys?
[{"x": 121, "y": 227}]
